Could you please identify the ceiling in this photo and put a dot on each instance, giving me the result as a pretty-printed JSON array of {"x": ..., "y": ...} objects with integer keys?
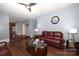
[{"x": 19, "y": 12}]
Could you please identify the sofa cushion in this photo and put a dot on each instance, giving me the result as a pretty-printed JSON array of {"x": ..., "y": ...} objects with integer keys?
[
  {"x": 44, "y": 34},
  {"x": 50, "y": 33},
  {"x": 42, "y": 38},
  {"x": 55, "y": 41},
  {"x": 50, "y": 37},
  {"x": 59, "y": 34},
  {"x": 58, "y": 38}
]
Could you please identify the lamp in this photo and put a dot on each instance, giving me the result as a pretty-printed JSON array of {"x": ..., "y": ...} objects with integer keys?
[
  {"x": 72, "y": 33},
  {"x": 36, "y": 31}
]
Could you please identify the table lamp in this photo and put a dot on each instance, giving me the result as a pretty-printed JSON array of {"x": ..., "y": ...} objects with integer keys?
[{"x": 36, "y": 31}]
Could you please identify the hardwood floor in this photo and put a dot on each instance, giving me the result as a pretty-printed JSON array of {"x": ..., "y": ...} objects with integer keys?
[
  {"x": 18, "y": 48},
  {"x": 17, "y": 52}
]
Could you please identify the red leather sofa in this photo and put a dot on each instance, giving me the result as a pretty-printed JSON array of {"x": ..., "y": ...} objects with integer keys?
[
  {"x": 52, "y": 38},
  {"x": 4, "y": 50}
]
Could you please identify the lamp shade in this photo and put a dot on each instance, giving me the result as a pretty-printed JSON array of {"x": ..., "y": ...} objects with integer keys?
[
  {"x": 36, "y": 30},
  {"x": 73, "y": 30}
]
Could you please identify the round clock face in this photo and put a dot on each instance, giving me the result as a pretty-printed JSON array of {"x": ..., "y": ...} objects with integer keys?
[{"x": 55, "y": 19}]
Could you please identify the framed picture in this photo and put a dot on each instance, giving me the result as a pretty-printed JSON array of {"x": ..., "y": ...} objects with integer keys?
[{"x": 55, "y": 19}]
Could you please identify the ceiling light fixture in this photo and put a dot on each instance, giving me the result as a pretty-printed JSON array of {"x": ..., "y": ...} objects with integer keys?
[{"x": 28, "y": 5}]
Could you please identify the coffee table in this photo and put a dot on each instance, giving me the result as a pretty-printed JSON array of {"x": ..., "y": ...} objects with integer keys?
[{"x": 37, "y": 51}]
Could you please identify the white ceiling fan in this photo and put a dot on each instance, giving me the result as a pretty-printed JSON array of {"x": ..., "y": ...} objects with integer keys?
[{"x": 28, "y": 5}]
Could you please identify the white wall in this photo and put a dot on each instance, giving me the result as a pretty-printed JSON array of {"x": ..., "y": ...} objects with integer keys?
[
  {"x": 19, "y": 28},
  {"x": 4, "y": 27},
  {"x": 22, "y": 29},
  {"x": 69, "y": 18},
  {"x": 32, "y": 25}
]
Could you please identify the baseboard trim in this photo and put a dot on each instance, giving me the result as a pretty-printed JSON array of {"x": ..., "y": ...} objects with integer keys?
[{"x": 7, "y": 40}]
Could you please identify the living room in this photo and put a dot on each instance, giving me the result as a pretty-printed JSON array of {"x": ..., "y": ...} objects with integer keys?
[{"x": 28, "y": 27}]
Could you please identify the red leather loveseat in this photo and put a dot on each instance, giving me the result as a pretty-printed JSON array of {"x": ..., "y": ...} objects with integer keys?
[{"x": 52, "y": 38}]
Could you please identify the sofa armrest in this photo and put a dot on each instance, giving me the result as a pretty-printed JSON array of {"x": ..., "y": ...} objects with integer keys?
[
  {"x": 3, "y": 44},
  {"x": 62, "y": 40},
  {"x": 58, "y": 40},
  {"x": 4, "y": 50}
]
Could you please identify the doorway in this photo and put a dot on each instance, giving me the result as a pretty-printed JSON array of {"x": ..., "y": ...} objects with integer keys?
[{"x": 12, "y": 32}]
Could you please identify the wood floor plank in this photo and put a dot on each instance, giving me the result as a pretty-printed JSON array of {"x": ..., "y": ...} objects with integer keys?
[{"x": 18, "y": 48}]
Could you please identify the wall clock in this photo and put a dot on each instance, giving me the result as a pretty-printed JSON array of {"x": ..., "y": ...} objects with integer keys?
[{"x": 55, "y": 19}]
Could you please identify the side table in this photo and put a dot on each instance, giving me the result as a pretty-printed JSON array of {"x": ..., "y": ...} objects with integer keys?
[
  {"x": 71, "y": 47},
  {"x": 77, "y": 48},
  {"x": 70, "y": 44}
]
